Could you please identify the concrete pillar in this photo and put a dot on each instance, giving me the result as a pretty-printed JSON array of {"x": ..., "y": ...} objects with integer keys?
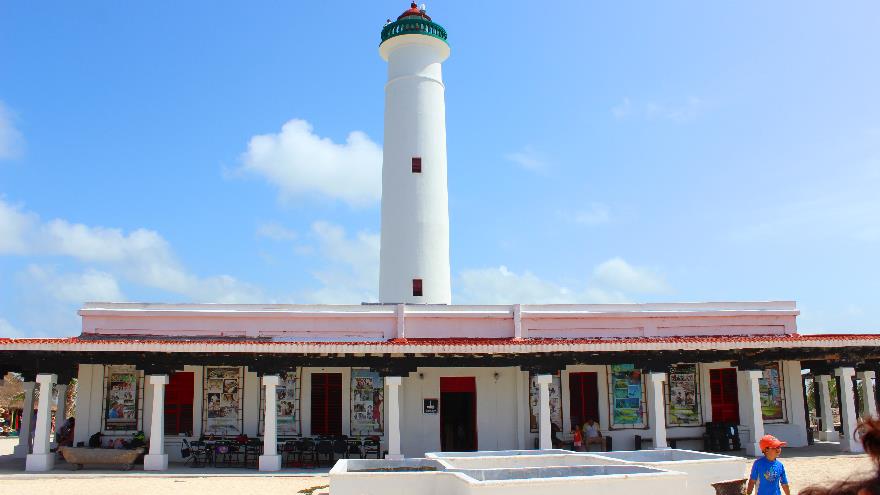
[
  {"x": 60, "y": 408},
  {"x": 753, "y": 419},
  {"x": 544, "y": 429},
  {"x": 42, "y": 459},
  {"x": 157, "y": 459},
  {"x": 828, "y": 433},
  {"x": 27, "y": 413},
  {"x": 657, "y": 408},
  {"x": 848, "y": 418},
  {"x": 392, "y": 398},
  {"x": 869, "y": 406},
  {"x": 270, "y": 460}
]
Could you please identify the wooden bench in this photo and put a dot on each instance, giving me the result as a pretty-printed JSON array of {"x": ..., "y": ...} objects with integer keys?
[{"x": 79, "y": 456}]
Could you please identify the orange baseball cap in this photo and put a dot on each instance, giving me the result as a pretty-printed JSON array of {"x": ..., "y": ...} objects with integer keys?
[{"x": 769, "y": 441}]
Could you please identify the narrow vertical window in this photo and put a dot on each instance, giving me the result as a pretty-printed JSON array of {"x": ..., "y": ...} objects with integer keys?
[
  {"x": 417, "y": 165},
  {"x": 417, "y": 287}
]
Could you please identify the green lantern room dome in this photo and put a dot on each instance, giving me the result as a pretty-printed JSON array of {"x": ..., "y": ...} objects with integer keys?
[{"x": 413, "y": 21}]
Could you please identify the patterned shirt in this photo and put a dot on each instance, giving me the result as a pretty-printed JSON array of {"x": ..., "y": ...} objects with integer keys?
[{"x": 768, "y": 475}]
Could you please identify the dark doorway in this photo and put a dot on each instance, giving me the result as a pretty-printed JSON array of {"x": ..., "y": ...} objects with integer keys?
[
  {"x": 326, "y": 403},
  {"x": 458, "y": 414},
  {"x": 725, "y": 397},
  {"x": 583, "y": 390}
]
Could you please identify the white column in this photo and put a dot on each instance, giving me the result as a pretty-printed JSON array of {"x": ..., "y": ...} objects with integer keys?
[
  {"x": 657, "y": 409},
  {"x": 828, "y": 433},
  {"x": 753, "y": 419},
  {"x": 60, "y": 408},
  {"x": 848, "y": 410},
  {"x": 270, "y": 460},
  {"x": 157, "y": 459},
  {"x": 545, "y": 441},
  {"x": 392, "y": 398},
  {"x": 42, "y": 459},
  {"x": 27, "y": 413},
  {"x": 869, "y": 408}
]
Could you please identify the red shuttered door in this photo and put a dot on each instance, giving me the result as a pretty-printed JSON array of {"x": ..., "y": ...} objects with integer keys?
[
  {"x": 179, "y": 403},
  {"x": 583, "y": 392},
  {"x": 326, "y": 403},
  {"x": 725, "y": 396}
]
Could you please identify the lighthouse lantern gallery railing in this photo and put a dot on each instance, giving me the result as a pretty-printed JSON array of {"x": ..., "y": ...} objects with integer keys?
[{"x": 413, "y": 25}]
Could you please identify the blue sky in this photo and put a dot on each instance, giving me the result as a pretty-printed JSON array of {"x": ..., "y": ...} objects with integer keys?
[{"x": 224, "y": 152}]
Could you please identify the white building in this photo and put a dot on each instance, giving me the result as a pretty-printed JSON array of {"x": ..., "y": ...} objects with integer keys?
[{"x": 420, "y": 374}]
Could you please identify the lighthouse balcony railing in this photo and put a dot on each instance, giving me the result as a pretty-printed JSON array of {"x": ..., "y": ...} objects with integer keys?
[{"x": 413, "y": 25}]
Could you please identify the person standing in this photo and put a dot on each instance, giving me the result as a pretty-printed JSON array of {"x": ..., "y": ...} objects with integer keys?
[{"x": 768, "y": 474}]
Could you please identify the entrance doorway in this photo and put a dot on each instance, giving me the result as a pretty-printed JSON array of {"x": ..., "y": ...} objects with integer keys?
[
  {"x": 458, "y": 414},
  {"x": 583, "y": 393},
  {"x": 326, "y": 404},
  {"x": 725, "y": 396}
]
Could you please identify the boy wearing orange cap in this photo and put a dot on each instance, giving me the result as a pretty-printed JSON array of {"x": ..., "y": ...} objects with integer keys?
[{"x": 768, "y": 474}]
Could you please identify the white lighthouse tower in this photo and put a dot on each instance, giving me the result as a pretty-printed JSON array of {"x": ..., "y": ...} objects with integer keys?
[{"x": 414, "y": 259}]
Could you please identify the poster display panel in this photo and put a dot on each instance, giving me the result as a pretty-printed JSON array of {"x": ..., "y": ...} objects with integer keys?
[
  {"x": 626, "y": 396},
  {"x": 367, "y": 403},
  {"x": 121, "y": 407},
  {"x": 223, "y": 395},
  {"x": 555, "y": 388},
  {"x": 683, "y": 399},
  {"x": 772, "y": 393}
]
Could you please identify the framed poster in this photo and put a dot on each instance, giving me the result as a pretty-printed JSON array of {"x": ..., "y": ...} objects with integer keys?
[
  {"x": 683, "y": 396},
  {"x": 288, "y": 395},
  {"x": 555, "y": 389},
  {"x": 223, "y": 394},
  {"x": 367, "y": 403},
  {"x": 772, "y": 392},
  {"x": 626, "y": 396},
  {"x": 121, "y": 402}
]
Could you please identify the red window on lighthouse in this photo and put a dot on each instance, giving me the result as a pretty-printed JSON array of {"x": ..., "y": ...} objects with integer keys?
[
  {"x": 417, "y": 287},
  {"x": 417, "y": 165}
]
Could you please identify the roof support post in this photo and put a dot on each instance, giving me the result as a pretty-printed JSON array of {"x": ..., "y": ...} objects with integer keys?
[
  {"x": 869, "y": 408},
  {"x": 848, "y": 410},
  {"x": 270, "y": 460},
  {"x": 392, "y": 398},
  {"x": 753, "y": 418},
  {"x": 657, "y": 409},
  {"x": 157, "y": 459},
  {"x": 544, "y": 429},
  {"x": 42, "y": 459},
  {"x": 27, "y": 414}
]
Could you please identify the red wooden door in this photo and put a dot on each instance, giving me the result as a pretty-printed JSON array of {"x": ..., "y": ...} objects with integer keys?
[
  {"x": 583, "y": 393},
  {"x": 326, "y": 403},
  {"x": 179, "y": 403},
  {"x": 725, "y": 397}
]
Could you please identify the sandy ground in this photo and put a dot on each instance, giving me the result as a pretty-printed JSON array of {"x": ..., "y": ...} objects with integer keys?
[{"x": 820, "y": 463}]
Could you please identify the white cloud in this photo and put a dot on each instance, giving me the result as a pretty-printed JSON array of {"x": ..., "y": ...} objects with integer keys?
[
  {"x": 9, "y": 331},
  {"x": 682, "y": 112},
  {"x": 276, "y": 232},
  {"x": 596, "y": 215},
  {"x": 529, "y": 159},
  {"x": 11, "y": 140},
  {"x": 618, "y": 274},
  {"x": 91, "y": 285},
  {"x": 613, "y": 282},
  {"x": 141, "y": 256},
  {"x": 352, "y": 272},
  {"x": 302, "y": 164}
]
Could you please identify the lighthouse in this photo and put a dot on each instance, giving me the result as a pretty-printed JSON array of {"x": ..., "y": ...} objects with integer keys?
[{"x": 414, "y": 254}]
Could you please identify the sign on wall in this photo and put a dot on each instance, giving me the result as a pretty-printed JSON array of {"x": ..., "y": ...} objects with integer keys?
[
  {"x": 223, "y": 396},
  {"x": 367, "y": 403},
  {"x": 770, "y": 386},
  {"x": 431, "y": 406},
  {"x": 121, "y": 404},
  {"x": 626, "y": 396},
  {"x": 683, "y": 398},
  {"x": 555, "y": 389}
]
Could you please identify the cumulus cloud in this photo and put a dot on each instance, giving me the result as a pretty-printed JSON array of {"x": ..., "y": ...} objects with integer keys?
[
  {"x": 91, "y": 285},
  {"x": 303, "y": 164},
  {"x": 618, "y": 274},
  {"x": 141, "y": 256},
  {"x": 275, "y": 232},
  {"x": 597, "y": 214},
  {"x": 613, "y": 281},
  {"x": 11, "y": 140},
  {"x": 680, "y": 112},
  {"x": 351, "y": 274},
  {"x": 528, "y": 159}
]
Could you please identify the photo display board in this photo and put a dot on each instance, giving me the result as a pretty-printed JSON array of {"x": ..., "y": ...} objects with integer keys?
[
  {"x": 121, "y": 398},
  {"x": 626, "y": 396},
  {"x": 555, "y": 388},
  {"x": 367, "y": 403},
  {"x": 683, "y": 398},
  {"x": 223, "y": 396},
  {"x": 772, "y": 392}
]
